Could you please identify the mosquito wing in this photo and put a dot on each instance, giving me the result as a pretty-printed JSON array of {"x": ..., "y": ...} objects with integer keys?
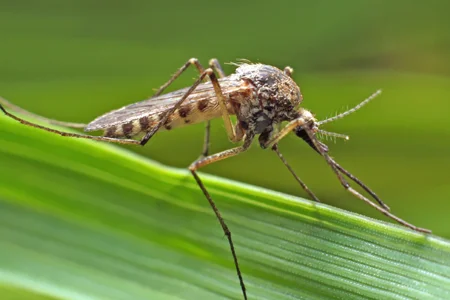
[{"x": 155, "y": 106}]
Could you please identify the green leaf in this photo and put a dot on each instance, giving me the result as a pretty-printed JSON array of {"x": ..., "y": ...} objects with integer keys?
[{"x": 87, "y": 220}]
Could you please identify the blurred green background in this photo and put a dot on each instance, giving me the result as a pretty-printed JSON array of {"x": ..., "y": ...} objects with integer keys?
[{"x": 75, "y": 60}]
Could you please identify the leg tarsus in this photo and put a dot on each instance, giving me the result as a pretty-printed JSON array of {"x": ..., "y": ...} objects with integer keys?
[
  {"x": 224, "y": 228},
  {"x": 347, "y": 186},
  {"x": 209, "y": 160},
  {"x": 6, "y": 103},
  {"x": 69, "y": 134}
]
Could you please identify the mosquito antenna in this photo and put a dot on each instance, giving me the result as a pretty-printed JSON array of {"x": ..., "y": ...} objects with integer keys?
[
  {"x": 333, "y": 134},
  {"x": 22, "y": 111},
  {"x": 352, "y": 110}
]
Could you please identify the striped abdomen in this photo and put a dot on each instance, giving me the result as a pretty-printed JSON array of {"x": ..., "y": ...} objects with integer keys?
[{"x": 189, "y": 113}]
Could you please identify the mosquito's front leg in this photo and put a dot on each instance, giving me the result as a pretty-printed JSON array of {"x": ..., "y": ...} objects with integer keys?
[
  {"x": 285, "y": 131},
  {"x": 209, "y": 160},
  {"x": 355, "y": 193}
]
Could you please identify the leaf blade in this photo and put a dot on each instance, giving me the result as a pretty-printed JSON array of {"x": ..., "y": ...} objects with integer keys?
[{"x": 132, "y": 227}]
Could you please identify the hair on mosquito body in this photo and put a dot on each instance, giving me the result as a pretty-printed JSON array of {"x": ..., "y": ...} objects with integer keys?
[{"x": 262, "y": 97}]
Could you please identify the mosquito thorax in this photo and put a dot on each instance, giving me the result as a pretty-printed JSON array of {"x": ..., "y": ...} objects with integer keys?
[{"x": 275, "y": 97}]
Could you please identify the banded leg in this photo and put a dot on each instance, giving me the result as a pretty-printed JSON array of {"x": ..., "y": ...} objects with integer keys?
[{"x": 209, "y": 160}]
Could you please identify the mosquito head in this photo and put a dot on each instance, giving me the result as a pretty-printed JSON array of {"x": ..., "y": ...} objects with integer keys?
[{"x": 311, "y": 124}]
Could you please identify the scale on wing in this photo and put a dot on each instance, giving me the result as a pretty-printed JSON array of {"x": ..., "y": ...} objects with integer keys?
[{"x": 201, "y": 105}]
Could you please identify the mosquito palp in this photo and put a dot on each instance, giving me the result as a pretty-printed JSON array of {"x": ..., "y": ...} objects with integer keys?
[{"x": 260, "y": 96}]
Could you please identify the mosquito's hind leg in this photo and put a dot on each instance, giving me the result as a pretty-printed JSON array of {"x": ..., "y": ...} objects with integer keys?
[
  {"x": 69, "y": 134},
  {"x": 22, "y": 111},
  {"x": 7, "y": 104},
  {"x": 202, "y": 162}
]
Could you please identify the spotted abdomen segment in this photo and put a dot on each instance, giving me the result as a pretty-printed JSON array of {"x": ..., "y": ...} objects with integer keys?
[{"x": 191, "y": 113}]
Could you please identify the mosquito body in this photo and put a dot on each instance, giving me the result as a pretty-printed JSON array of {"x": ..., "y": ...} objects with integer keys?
[
  {"x": 259, "y": 95},
  {"x": 262, "y": 98}
]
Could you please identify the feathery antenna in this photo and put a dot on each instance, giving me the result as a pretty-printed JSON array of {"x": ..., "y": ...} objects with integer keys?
[
  {"x": 352, "y": 110},
  {"x": 333, "y": 134}
]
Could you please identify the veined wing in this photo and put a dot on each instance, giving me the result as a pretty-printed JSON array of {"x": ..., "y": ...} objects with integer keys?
[{"x": 160, "y": 104}]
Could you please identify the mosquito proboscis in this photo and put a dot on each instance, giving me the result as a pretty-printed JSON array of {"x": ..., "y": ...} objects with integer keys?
[{"x": 262, "y": 97}]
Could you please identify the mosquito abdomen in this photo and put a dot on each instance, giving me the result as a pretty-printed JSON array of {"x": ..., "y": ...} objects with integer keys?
[{"x": 191, "y": 113}]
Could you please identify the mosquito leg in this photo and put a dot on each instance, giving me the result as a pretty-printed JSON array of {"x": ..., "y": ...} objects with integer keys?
[
  {"x": 302, "y": 134},
  {"x": 303, "y": 185},
  {"x": 285, "y": 131},
  {"x": 226, "y": 117},
  {"x": 204, "y": 162},
  {"x": 68, "y": 134},
  {"x": 215, "y": 65},
  {"x": 206, "y": 143},
  {"x": 190, "y": 62},
  {"x": 223, "y": 107},
  {"x": 347, "y": 186},
  {"x": 360, "y": 183},
  {"x": 22, "y": 111}
]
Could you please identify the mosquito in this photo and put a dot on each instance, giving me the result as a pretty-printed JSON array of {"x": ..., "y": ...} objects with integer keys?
[{"x": 262, "y": 98}]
